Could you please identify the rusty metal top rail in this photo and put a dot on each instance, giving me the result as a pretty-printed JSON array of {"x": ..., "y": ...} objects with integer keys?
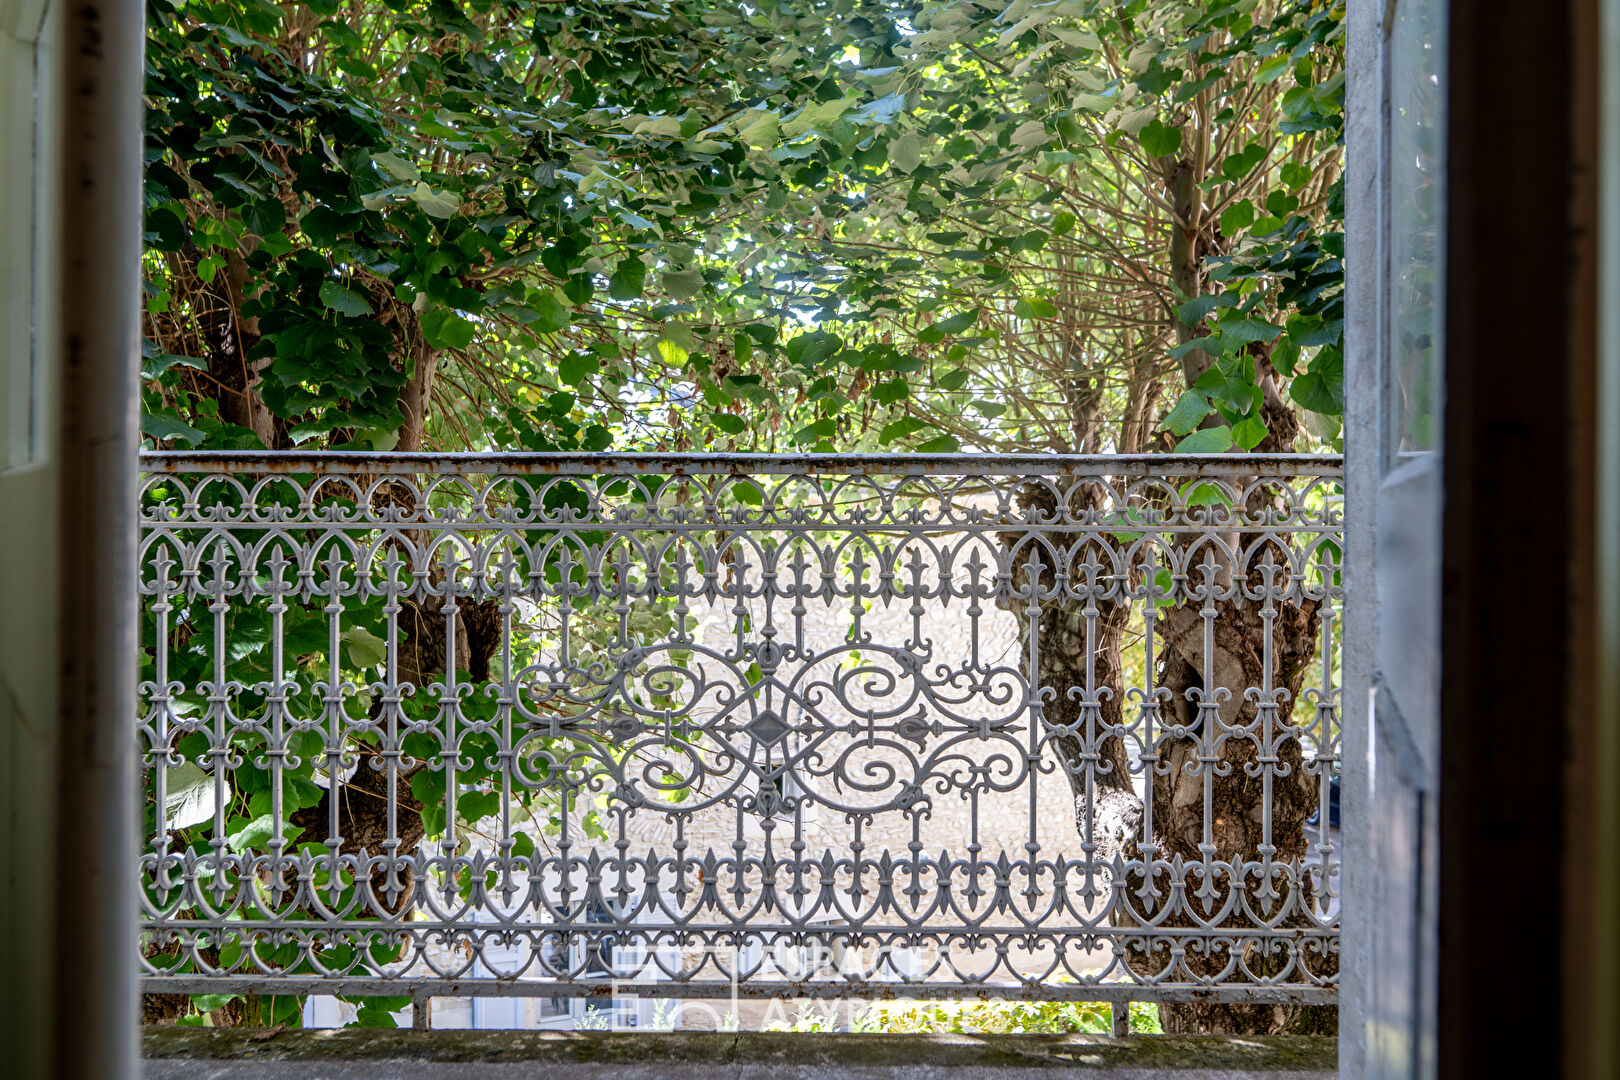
[{"x": 634, "y": 464}]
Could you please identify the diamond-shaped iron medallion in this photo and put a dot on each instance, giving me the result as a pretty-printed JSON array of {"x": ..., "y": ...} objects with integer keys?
[{"x": 767, "y": 728}]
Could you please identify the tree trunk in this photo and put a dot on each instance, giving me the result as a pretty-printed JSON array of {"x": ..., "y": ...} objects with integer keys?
[
  {"x": 1189, "y": 245},
  {"x": 1238, "y": 775},
  {"x": 363, "y": 799},
  {"x": 1079, "y": 663},
  {"x": 416, "y": 397},
  {"x": 232, "y": 379}
]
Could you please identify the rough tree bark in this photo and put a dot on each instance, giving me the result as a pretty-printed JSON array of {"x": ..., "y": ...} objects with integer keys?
[
  {"x": 1080, "y": 645},
  {"x": 416, "y": 396},
  {"x": 231, "y": 379},
  {"x": 363, "y": 798}
]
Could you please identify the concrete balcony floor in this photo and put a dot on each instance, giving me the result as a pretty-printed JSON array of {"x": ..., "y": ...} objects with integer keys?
[{"x": 190, "y": 1053}]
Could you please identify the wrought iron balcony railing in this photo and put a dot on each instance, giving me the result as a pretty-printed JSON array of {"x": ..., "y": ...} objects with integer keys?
[{"x": 1051, "y": 727}]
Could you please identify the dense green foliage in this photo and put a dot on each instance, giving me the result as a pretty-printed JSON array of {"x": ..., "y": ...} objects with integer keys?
[{"x": 1073, "y": 225}]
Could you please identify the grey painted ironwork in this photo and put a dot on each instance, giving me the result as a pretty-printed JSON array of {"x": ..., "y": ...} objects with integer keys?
[{"x": 511, "y": 667}]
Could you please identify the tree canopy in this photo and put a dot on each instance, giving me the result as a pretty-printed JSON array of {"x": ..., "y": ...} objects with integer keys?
[{"x": 1078, "y": 225}]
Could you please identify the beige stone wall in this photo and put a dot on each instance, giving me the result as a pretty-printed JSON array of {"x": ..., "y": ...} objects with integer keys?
[
  {"x": 995, "y": 820},
  {"x": 1017, "y": 810}
]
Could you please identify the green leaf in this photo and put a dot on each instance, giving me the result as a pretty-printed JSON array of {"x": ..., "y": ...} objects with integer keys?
[
  {"x": 444, "y": 329},
  {"x": 235, "y": 37},
  {"x": 440, "y": 204},
  {"x": 682, "y": 284},
  {"x": 1159, "y": 140},
  {"x": 344, "y": 301},
  {"x": 474, "y": 806},
  {"x": 256, "y": 832},
  {"x": 1285, "y": 356},
  {"x": 164, "y": 426},
  {"x": 679, "y": 334},
  {"x": 1311, "y": 391},
  {"x": 396, "y": 166},
  {"x": 887, "y": 393},
  {"x": 1189, "y": 90},
  {"x": 365, "y": 649},
  {"x": 428, "y": 786},
  {"x": 957, "y": 323},
  {"x": 552, "y": 314},
  {"x": 265, "y": 217},
  {"x": 1212, "y": 345},
  {"x": 943, "y": 444},
  {"x": 730, "y": 423},
  {"x": 208, "y": 1003},
  {"x": 1238, "y": 165},
  {"x": 1321, "y": 389},
  {"x": 1164, "y": 585},
  {"x": 1271, "y": 69},
  {"x": 1295, "y": 175},
  {"x": 1202, "y": 493},
  {"x": 881, "y": 110},
  {"x": 1281, "y": 204},
  {"x": 300, "y": 433},
  {"x": 1206, "y": 441},
  {"x": 899, "y": 429},
  {"x": 574, "y": 367},
  {"x": 1033, "y": 307},
  {"x": 822, "y": 115},
  {"x": 1189, "y": 412},
  {"x": 322, "y": 225},
  {"x": 276, "y": 245},
  {"x": 1198, "y": 308},
  {"x": 1309, "y": 331},
  {"x": 626, "y": 282},
  {"x": 1237, "y": 217},
  {"x": 1247, "y": 330},
  {"x": 191, "y": 797},
  {"x": 663, "y": 127},
  {"x": 1157, "y": 78},
  {"x": 813, "y": 349},
  {"x": 671, "y": 353},
  {"x": 825, "y": 428},
  {"x": 1249, "y": 432},
  {"x": 579, "y": 287},
  {"x": 953, "y": 380},
  {"x": 905, "y": 152},
  {"x": 760, "y": 128},
  {"x": 1029, "y": 135},
  {"x": 375, "y": 1016}
]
